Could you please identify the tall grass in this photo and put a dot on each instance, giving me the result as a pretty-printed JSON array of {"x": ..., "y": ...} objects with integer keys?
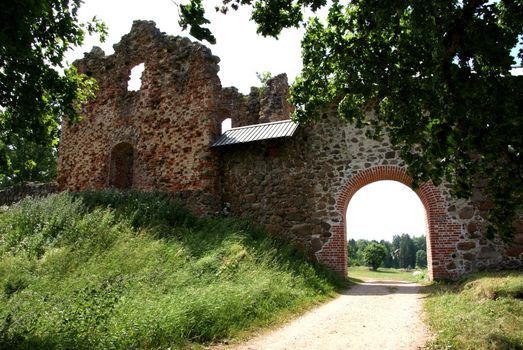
[
  {"x": 110, "y": 270},
  {"x": 484, "y": 311}
]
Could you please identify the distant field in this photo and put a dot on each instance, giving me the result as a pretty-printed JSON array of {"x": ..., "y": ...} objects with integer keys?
[{"x": 360, "y": 272}]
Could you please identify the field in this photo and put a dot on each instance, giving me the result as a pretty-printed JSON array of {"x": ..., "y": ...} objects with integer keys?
[{"x": 360, "y": 272}]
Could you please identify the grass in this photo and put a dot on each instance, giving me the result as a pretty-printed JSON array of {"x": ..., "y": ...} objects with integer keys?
[
  {"x": 110, "y": 270},
  {"x": 484, "y": 311},
  {"x": 383, "y": 274}
]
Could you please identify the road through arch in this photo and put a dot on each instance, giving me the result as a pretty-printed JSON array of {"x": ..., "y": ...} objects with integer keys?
[{"x": 442, "y": 232}]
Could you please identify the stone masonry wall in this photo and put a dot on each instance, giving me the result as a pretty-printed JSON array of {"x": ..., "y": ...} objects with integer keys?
[
  {"x": 262, "y": 105},
  {"x": 300, "y": 187},
  {"x": 166, "y": 126},
  {"x": 19, "y": 191}
]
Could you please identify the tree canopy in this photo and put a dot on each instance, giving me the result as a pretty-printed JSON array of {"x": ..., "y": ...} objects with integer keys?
[
  {"x": 435, "y": 76},
  {"x": 36, "y": 89}
]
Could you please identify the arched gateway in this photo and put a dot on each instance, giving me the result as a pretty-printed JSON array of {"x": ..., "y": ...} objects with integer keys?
[
  {"x": 442, "y": 233},
  {"x": 296, "y": 180}
]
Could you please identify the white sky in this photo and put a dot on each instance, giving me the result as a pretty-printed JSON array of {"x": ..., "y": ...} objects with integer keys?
[
  {"x": 383, "y": 209},
  {"x": 377, "y": 211},
  {"x": 241, "y": 50}
]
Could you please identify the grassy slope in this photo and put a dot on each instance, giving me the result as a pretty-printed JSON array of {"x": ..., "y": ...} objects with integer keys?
[
  {"x": 112, "y": 270},
  {"x": 485, "y": 311}
]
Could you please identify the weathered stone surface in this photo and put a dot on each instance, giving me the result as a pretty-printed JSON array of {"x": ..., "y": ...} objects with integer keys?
[
  {"x": 469, "y": 256},
  {"x": 466, "y": 213},
  {"x": 466, "y": 245},
  {"x": 26, "y": 189}
]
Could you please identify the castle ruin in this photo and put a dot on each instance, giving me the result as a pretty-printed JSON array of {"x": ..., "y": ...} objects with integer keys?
[{"x": 296, "y": 180}]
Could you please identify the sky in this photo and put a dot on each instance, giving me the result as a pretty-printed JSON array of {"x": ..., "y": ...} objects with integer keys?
[
  {"x": 383, "y": 209},
  {"x": 241, "y": 50},
  {"x": 377, "y": 211}
]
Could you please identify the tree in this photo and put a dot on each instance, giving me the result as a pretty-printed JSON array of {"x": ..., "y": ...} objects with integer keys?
[
  {"x": 388, "y": 262},
  {"x": 434, "y": 75},
  {"x": 420, "y": 242},
  {"x": 374, "y": 254},
  {"x": 407, "y": 253},
  {"x": 352, "y": 250},
  {"x": 30, "y": 162},
  {"x": 421, "y": 259},
  {"x": 36, "y": 90}
]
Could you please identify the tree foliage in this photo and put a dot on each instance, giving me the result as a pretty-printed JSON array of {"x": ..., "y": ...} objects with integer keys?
[
  {"x": 435, "y": 76},
  {"x": 401, "y": 253},
  {"x": 36, "y": 89},
  {"x": 30, "y": 162},
  {"x": 421, "y": 259},
  {"x": 374, "y": 254}
]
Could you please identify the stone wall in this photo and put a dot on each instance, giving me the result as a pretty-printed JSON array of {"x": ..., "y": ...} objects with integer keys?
[
  {"x": 18, "y": 192},
  {"x": 300, "y": 187},
  {"x": 164, "y": 129},
  {"x": 262, "y": 105}
]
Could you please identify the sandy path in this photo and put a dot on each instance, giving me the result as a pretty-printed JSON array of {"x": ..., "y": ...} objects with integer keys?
[{"x": 372, "y": 315}]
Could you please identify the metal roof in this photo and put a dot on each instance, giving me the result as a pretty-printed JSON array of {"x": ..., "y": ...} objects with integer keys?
[{"x": 257, "y": 132}]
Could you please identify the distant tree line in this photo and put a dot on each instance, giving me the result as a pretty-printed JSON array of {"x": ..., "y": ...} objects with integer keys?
[{"x": 403, "y": 252}]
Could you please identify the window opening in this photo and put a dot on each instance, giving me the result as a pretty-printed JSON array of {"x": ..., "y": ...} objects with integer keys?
[
  {"x": 135, "y": 79},
  {"x": 226, "y": 125}
]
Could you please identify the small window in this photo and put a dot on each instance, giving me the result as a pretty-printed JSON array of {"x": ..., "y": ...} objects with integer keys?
[
  {"x": 135, "y": 79},
  {"x": 226, "y": 125}
]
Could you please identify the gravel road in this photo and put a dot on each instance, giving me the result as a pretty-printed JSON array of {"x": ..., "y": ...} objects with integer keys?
[{"x": 372, "y": 315}]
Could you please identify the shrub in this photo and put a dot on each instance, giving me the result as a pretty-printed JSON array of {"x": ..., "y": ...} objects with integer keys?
[{"x": 374, "y": 254}]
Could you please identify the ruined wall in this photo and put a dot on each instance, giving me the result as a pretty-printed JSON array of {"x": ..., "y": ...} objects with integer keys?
[
  {"x": 158, "y": 136},
  {"x": 20, "y": 191},
  {"x": 262, "y": 105},
  {"x": 300, "y": 187}
]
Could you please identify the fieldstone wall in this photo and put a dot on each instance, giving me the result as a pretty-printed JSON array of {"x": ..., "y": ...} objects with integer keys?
[
  {"x": 300, "y": 187},
  {"x": 262, "y": 105},
  {"x": 18, "y": 192},
  {"x": 156, "y": 138},
  {"x": 160, "y": 137}
]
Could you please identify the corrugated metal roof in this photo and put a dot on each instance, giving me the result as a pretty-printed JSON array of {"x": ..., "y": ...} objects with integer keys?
[{"x": 257, "y": 132}]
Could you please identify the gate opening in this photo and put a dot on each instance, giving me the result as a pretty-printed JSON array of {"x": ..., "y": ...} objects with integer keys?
[{"x": 391, "y": 214}]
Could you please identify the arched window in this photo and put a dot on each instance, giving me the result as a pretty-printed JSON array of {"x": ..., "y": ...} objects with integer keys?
[{"x": 121, "y": 171}]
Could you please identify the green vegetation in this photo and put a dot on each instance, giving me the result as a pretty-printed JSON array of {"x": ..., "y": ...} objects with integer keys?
[
  {"x": 359, "y": 273},
  {"x": 403, "y": 252},
  {"x": 374, "y": 255},
  {"x": 37, "y": 91},
  {"x": 484, "y": 311},
  {"x": 109, "y": 270}
]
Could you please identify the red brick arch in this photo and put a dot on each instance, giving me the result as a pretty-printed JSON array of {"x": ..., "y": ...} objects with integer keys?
[{"x": 442, "y": 233}]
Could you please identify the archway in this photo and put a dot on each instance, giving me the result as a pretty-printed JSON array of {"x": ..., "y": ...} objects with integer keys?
[
  {"x": 391, "y": 213},
  {"x": 121, "y": 169},
  {"x": 442, "y": 232}
]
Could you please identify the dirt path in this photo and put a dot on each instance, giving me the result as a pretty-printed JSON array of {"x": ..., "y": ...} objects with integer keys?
[{"x": 372, "y": 315}]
